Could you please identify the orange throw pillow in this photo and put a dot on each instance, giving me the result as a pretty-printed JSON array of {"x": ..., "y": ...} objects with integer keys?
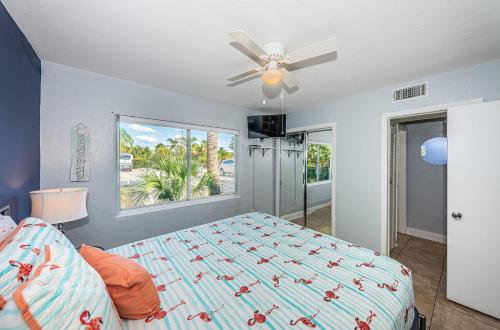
[{"x": 129, "y": 284}]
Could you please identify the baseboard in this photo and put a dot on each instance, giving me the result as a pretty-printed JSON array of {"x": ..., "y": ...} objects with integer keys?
[
  {"x": 295, "y": 215},
  {"x": 292, "y": 216},
  {"x": 440, "y": 238}
]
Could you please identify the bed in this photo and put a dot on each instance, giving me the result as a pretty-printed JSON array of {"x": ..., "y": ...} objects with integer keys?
[{"x": 258, "y": 271}]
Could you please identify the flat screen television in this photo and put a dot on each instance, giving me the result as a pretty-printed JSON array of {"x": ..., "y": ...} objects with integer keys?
[{"x": 266, "y": 126}]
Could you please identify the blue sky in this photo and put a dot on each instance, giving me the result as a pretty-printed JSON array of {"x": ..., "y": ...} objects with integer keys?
[{"x": 151, "y": 135}]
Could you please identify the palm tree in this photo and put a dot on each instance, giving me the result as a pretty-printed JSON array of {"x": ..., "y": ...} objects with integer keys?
[
  {"x": 224, "y": 154},
  {"x": 212, "y": 156},
  {"x": 126, "y": 140},
  {"x": 194, "y": 142},
  {"x": 159, "y": 146},
  {"x": 195, "y": 148},
  {"x": 165, "y": 179},
  {"x": 183, "y": 140},
  {"x": 202, "y": 154},
  {"x": 173, "y": 144}
]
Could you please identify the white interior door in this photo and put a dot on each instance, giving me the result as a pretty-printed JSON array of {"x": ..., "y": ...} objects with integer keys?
[{"x": 473, "y": 202}]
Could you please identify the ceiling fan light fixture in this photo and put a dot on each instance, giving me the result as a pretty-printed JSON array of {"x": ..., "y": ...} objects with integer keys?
[
  {"x": 274, "y": 59},
  {"x": 272, "y": 77}
]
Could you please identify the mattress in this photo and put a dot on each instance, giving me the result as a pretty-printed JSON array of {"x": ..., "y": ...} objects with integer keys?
[{"x": 259, "y": 271}]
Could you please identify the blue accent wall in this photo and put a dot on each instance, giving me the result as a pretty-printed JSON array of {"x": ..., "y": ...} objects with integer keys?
[{"x": 20, "y": 73}]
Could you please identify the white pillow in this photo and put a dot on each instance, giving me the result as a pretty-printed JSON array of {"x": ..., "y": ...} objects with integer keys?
[{"x": 7, "y": 225}]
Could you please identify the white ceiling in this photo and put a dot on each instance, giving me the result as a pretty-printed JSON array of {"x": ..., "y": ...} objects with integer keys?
[{"x": 184, "y": 45}]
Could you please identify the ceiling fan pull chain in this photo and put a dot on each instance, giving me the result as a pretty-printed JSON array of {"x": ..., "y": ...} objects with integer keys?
[{"x": 282, "y": 110}]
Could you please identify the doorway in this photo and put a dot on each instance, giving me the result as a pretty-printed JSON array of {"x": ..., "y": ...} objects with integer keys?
[
  {"x": 306, "y": 177},
  {"x": 417, "y": 180},
  {"x": 387, "y": 119},
  {"x": 417, "y": 202},
  {"x": 466, "y": 275}
]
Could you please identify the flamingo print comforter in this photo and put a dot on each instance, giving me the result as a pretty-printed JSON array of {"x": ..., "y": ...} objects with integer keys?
[{"x": 259, "y": 271}]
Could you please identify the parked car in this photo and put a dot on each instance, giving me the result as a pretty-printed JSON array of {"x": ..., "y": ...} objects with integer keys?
[
  {"x": 126, "y": 162},
  {"x": 226, "y": 167}
]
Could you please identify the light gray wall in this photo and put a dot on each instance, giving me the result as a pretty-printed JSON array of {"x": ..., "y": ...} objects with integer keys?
[
  {"x": 425, "y": 183},
  {"x": 319, "y": 194},
  {"x": 358, "y": 119},
  {"x": 70, "y": 96}
]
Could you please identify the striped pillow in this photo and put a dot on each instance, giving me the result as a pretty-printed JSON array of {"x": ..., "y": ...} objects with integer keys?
[
  {"x": 22, "y": 251},
  {"x": 65, "y": 293}
]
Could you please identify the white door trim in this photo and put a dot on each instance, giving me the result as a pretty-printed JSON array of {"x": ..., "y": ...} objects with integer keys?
[
  {"x": 333, "y": 127},
  {"x": 401, "y": 223},
  {"x": 385, "y": 154}
]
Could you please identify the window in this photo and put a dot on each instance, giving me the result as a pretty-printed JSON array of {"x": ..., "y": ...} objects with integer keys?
[
  {"x": 163, "y": 162},
  {"x": 318, "y": 162}
]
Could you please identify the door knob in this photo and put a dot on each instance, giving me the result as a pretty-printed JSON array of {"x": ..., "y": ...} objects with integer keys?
[{"x": 456, "y": 215}]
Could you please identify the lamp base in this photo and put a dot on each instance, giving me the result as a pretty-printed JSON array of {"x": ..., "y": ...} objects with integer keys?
[{"x": 60, "y": 227}]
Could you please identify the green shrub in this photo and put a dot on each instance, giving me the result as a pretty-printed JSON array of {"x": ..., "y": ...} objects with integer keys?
[{"x": 140, "y": 162}]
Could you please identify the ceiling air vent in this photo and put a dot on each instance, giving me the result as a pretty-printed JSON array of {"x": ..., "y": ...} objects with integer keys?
[{"x": 410, "y": 92}]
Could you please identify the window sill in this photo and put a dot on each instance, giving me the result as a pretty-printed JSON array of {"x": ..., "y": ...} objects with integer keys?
[
  {"x": 174, "y": 205},
  {"x": 319, "y": 183}
]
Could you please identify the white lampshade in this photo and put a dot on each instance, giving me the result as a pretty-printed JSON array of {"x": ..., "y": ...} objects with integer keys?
[
  {"x": 272, "y": 77},
  {"x": 273, "y": 74},
  {"x": 59, "y": 205}
]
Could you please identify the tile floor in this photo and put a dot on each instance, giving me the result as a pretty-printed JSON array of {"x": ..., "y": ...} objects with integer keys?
[
  {"x": 319, "y": 220},
  {"x": 427, "y": 259}
]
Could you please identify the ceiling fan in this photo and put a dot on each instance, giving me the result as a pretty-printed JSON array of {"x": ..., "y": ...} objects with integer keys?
[{"x": 275, "y": 63}]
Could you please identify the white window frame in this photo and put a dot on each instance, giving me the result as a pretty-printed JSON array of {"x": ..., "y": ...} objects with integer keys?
[
  {"x": 188, "y": 201},
  {"x": 318, "y": 143}
]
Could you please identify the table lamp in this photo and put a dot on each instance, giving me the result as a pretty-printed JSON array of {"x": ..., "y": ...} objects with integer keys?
[{"x": 57, "y": 206}]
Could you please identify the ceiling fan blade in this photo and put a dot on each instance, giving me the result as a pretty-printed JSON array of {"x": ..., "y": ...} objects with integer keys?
[
  {"x": 245, "y": 74},
  {"x": 289, "y": 80},
  {"x": 244, "y": 80},
  {"x": 315, "y": 50},
  {"x": 244, "y": 39}
]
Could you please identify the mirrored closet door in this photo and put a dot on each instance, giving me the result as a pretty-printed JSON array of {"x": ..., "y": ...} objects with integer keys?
[
  {"x": 306, "y": 179},
  {"x": 319, "y": 180},
  {"x": 292, "y": 186}
]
